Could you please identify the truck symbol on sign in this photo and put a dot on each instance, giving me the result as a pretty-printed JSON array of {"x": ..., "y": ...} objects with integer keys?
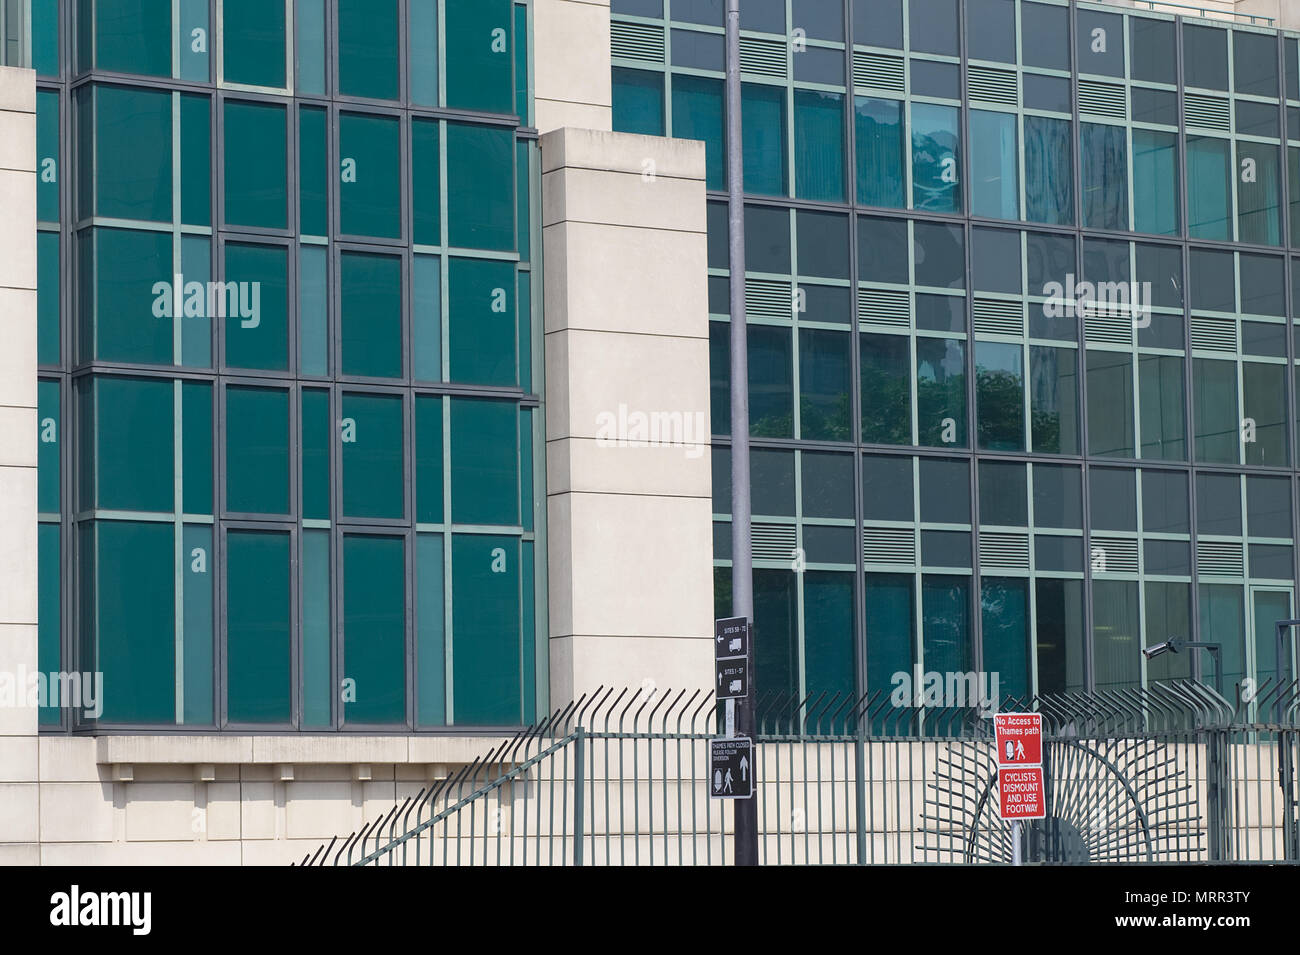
[
  {"x": 734, "y": 645},
  {"x": 735, "y": 686}
]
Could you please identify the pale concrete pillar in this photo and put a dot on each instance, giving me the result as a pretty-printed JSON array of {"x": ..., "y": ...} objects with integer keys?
[
  {"x": 571, "y": 66},
  {"x": 19, "y": 802},
  {"x": 627, "y": 391}
]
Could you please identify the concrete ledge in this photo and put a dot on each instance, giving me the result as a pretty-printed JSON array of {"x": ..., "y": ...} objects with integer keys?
[
  {"x": 622, "y": 152},
  {"x": 289, "y": 750}
]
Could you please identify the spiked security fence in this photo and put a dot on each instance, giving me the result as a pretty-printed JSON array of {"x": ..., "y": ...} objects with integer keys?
[{"x": 1174, "y": 773}]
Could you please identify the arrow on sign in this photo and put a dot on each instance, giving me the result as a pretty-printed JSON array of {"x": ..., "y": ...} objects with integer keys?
[{"x": 744, "y": 768}]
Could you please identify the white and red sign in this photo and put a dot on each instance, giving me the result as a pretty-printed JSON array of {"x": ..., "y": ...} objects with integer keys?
[{"x": 1020, "y": 766}]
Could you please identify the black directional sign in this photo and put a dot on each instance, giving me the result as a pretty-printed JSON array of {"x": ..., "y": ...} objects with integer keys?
[
  {"x": 732, "y": 679},
  {"x": 731, "y": 658},
  {"x": 731, "y": 768}
]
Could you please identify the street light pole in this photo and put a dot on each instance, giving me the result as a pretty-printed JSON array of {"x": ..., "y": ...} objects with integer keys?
[{"x": 742, "y": 564}]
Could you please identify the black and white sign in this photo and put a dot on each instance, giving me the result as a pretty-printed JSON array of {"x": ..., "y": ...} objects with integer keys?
[
  {"x": 731, "y": 768},
  {"x": 732, "y": 679},
  {"x": 730, "y": 638}
]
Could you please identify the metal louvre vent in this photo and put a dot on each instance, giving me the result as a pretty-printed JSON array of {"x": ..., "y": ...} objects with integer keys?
[
  {"x": 1214, "y": 334},
  {"x": 763, "y": 57},
  {"x": 1114, "y": 555},
  {"x": 636, "y": 41},
  {"x": 1220, "y": 558},
  {"x": 994, "y": 86},
  {"x": 1206, "y": 112},
  {"x": 1114, "y": 329},
  {"x": 1006, "y": 550},
  {"x": 889, "y": 307},
  {"x": 773, "y": 541},
  {"x": 1102, "y": 99},
  {"x": 769, "y": 299},
  {"x": 876, "y": 71},
  {"x": 996, "y": 317},
  {"x": 889, "y": 545}
]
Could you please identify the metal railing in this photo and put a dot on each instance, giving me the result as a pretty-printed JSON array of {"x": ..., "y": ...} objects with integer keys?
[
  {"x": 1174, "y": 773},
  {"x": 1183, "y": 9}
]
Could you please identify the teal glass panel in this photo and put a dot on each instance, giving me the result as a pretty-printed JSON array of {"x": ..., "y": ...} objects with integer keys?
[
  {"x": 1004, "y": 606},
  {"x": 698, "y": 111},
  {"x": 431, "y": 627},
  {"x": 526, "y": 467},
  {"x": 309, "y": 48},
  {"x": 764, "y": 122},
  {"x": 428, "y": 460},
  {"x": 482, "y": 324},
  {"x": 373, "y": 456},
  {"x": 49, "y": 611},
  {"x": 258, "y": 681},
  {"x": 523, "y": 214},
  {"x": 193, "y": 40},
  {"x": 1161, "y": 397},
  {"x": 1263, "y": 393},
  {"x": 1109, "y": 389},
  {"x": 771, "y": 382},
  {"x": 47, "y": 156},
  {"x": 886, "y": 363},
  {"x": 530, "y": 631},
  {"x": 45, "y": 37},
  {"x": 370, "y": 200},
  {"x": 196, "y": 647},
  {"x": 134, "y": 628},
  {"x": 133, "y": 436},
  {"x": 133, "y": 286},
  {"x": 49, "y": 429},
  {"x": 196, "y": 447},
  {"x": 368, "y": 48},
  {"x": 480, "y": 187},
  {"x": 318, "y": 689},
  {"x": 1104, "y": 172},
  {"x": 1059, "y": 633},
  {"x": 1116, "y": 637},
  {"x": 480, "y": 61},
  {"x": 133, "y": 153},
  {"x": 522, "y": 76},
  {"x": 371, "y": 320},
  {"x": 891, "y": 623},
  {"x": 1000, "y": 396},
  {"x": 486, "y": 652},
  {"x": 374, "y": 629},
  {"x": 426, "y": 197},
  {"x": 1222, "y": 613},
  {"x": 828, "y": 636},
  {"x": 253, "y": 38},
  {"x": 994, "y": 162},
  {"x": 257, "y": 331},
  {"x": 196, "y": 329},
  {"x": 1054, "y": 400},
  {"x": 825, "y": 385},
  {"x": 1209, "y": 184},
  {"x": 313, "y": 309},
  {"x": 316, "y": 431},
  {"x": 1259, "y": 194},
  {"x": 881, "y": 173},
  {"x": 256, "y": 164},
  {"x": 485, "y": 462},
  {"x": 776, "y": 631},
  {"x": 945, "y": 623},
  {"x": 313, "y": 167},
  {"x": 426, "y": 316},
  {"x": 1155, "y": 182},
  {"x": 526, "y": 331},
  {"x": 941, "y": 392},
  {"x": 1167, "y": 610},
  {"x": 196, "y": 159},
  {"x": 422, "y": 34},
  {"x": 936, "y": 158},
  {"x": 257, "y": 450},
  {"x": 1049, "y": 170},
  {"x": 819, "y": 145},
  {"x": 48, "y": 294},
  {"x": 1214, "y": 398},
  {"x": 134, "y": 36},
  {"x": 638, "y": 102}
]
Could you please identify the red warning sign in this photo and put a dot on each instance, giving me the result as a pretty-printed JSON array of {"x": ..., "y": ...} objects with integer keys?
[
  {"x": 1020, "y": 738},
  {"x": 1020, "y": 793}
]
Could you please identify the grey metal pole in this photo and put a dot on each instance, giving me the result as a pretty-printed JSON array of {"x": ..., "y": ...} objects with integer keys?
[
  {"x": 1016, "y": 857},
  {"x": 742, "y": 563}
]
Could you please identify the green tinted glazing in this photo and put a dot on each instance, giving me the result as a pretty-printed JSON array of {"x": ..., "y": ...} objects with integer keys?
[
  {"x": 196, "y": 648},
  {"x": 698, "y": 114},
  {"x": 257, "y": 331},
  {"x": 428, "y": 460},
  {"x": 431, "y": 646},
  {"x": 638, "y": 102},
  {"x": 482, "y": 325},
  {"x": 257, "y": 450},
  {"x": 253, "y": 42},
  {"x": 367, "y": 53},
  {"x": 315, "y": 454},
  {"x": 480, "y": 61},
  {"x": 372, "y": 435},
  {"x": 49, "y": 429},
  {"x": 370, "y": 182},
  {"x": 196, "y": 160},
  {"x": 256, "y": 163},
  {"x": 422, "y": 32},
  {"x": 133, "y": 36},
  {"x": 133, "y": 445},
  {"x": 312, "y": 170},
  {"x": 196, "y": 446},
  {"x": 49, "y": 609},
  {"x": 486, "y": 665},
  {"x": 764, "y": 139},
  {"x": 48, "y": 294},
  {"x": 257, "y": 627},
  {"x": 132, "y": 301},
  {"x": 45, "y": 37},
  {"x": 371, "y": 320},
  {"x": 309, "y": 49},
  {"x": 426, "y": 316},
  {"x": 426, "y": 198},
  {"x": 480, "y": 187},
  {"x": 313, "y": 309},
  {"x": 47, "y": 156},
  {"x": 828, "y": 629},
  {"x": 318, "y": 689},
  {"x": 819, "y": 145},
  {"x": 133, "y": 153},
  {"x": 485, "y": 462},
  {"x": 374, "y": 629}
]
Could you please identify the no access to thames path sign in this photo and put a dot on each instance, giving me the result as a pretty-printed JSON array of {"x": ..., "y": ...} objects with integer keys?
[{"x": 1020, "y": 766}]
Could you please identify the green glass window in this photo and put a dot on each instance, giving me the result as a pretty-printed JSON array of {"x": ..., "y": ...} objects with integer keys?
[
  {"x": 426, "y": 316},
  {"x": 256, "y": 163},
  {"x": 431, "y": 627},
  {"x": 371, "y": 303},
  {"x": 47, "y": 156},
  {"x": 313, "y": 309},
  {"x": 482, "y": 322},
  {"x": 49, "y": 610},
  {"x": 196, "y": 446},
  {"x": 819, "y": 145},
  {"x": 771, "y": 382},
  {"x": 1259, "y": 194},
  {"x": 776, "y": 642},
  {"x": 316, "y": 432},
  {"x": 373, "y": 456},
  {"x": 1054, "y": 403},
  {"x": 886, "y": 389},
  {"x": 133, "y": 153},
  {"x": 45, "y": 42},
  {"x": 1155, "y": 182},
  {"x": 319, "y": 690},
  {"x": 426, "y": 197},
  {"x": 945, "y": 623},
  {"x": 422, "y": 33},
  {"x": 1209, "y": 184},
  {"x": 48, "y": 294},
  {"x": 370, "y": 181},
  {"x": 878, "y": 128},
  {"x": 828, "y": 633},
  {"x": 197, "y": 620},
  {"x": 49, "y": 429},
  {"x": 1222, "y": 613},
  {"x": 994, "y": 161},
  {"x": 257, "y": 450},
  {"x": 486, "y": 651},
  {"x": 890, "y": 619},
  {"x": 763, "y": 108},
  {"x": 1004, "y": 608},
  {"x": 374, "y": 629},
  {"x": 253, "y": 42},
  {"x": 1049, "y": 171},
  {"x": 638, "y": 102},
  {"x": 1116, "y": 634},
  {"x": 941, "y": 391},
  {"x": 256, "y": 308},
  {"x": 1103, "y": 152},
  {"x": 1110, "y": 403},
  {"x": 698, "y": 112},
  {"x": 1000, "y": 396},
  {"x": 1263, "y": 391},
  {"x": 1293, "y": 178},
  {"x": 480, "y": 64},
  {"x": 132, "y": 430},
  {"x": 1059, "y": 631},
  {"x": 258, "y": 679},
  {"x": 428, "y": 460},
  {"x": 825, "y": 385},
  {"x": 196, "y": 159},
  {"x": 309, "y": 45},
  {"x": 192, "y": 47},
  {"x": 133, "y": 36},
  {"x": 480, "y": 187},
  {"x": 313, "y": 168},
  {"x": 133, "y": 301},
  {"x": 485, "y": 462},
  {"x": 936, "y": 158},
  {"x": 1161, "y": 394},
  {"x": 1214, "y": 398},
  {"x": 368, "y": 48}
]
